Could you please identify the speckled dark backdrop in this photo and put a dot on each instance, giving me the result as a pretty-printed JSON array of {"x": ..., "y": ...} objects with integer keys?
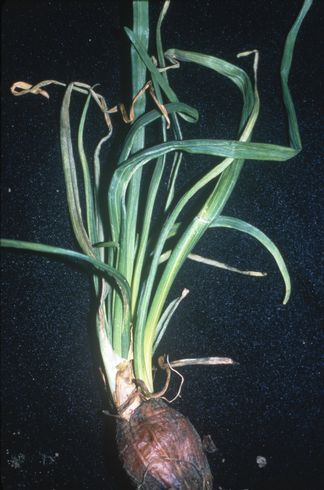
[{"x": 54, "y": 436}]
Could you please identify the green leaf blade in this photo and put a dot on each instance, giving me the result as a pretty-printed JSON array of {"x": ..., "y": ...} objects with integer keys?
[{"x": 244, "y": 227}]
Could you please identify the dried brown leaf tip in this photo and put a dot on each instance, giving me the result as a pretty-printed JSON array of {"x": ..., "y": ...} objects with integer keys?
[
  {"x": 21, "y": 88},
  {"x": 131, "y": 117}
]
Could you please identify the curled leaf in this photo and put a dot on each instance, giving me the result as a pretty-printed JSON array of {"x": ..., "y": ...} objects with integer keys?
[{"x": 21, "y": 88}]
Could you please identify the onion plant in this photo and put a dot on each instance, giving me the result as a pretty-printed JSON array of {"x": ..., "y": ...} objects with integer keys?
[{"x": 133, "y": 233}]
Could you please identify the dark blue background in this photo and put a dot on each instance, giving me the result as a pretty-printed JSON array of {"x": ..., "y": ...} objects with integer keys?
[{"x": 54, "y": 436}]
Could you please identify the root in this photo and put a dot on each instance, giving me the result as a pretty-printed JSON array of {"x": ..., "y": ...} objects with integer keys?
[
  {"x": 164, "y": 363},
  {"x": 178, "y": 395}
]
